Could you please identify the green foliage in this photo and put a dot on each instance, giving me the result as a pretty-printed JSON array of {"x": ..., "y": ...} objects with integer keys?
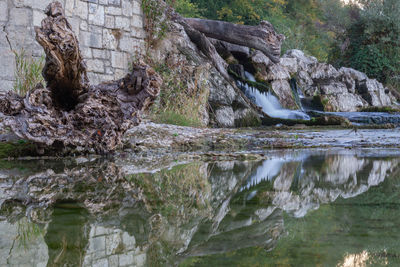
[
  {"x": 374, "y": 40},
  {"x": 181, "y": 101},
  {"x": 185, "y": 8},
  {"x": 380, "y": 109},
  {"x": 155, "y": 22},
  {"x": 371, "y": 60},
  {"x": 28, "y": 72},
  {"x": 175, "y": 118}
]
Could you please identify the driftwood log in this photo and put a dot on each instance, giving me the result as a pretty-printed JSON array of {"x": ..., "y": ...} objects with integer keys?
[
  {"x": 208, "y": 49},
  {"x": 262, "y": 37},
  {"x": 69, "y": 112}
]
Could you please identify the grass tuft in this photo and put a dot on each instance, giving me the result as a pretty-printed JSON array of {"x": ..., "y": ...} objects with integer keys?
[
  {"x": 28, "y": 72},
  {"x": 182, "y": 100}
]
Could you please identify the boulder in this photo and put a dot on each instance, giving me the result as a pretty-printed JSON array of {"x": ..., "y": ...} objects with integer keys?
[
  {"x": 225, "y": 117},
  {"x": 304, "y": 62},
  {"x": 290, "y": 64},
  {"x": 323, "y": 71},
  {"x": 375, "y": 93},
  {"x": 221, "y": 92},
  {"x": 304, "y": 80},
  {"x": 345, "y": 89},
  {"x": 344, "y": 102},
  {"x": 260, "y": 63},
  {"x": 277, "y": 72},
  {"x": 284, "y": 93},
  {"x": 353, "y": 74},
  {"x": 333, "y": 88}
]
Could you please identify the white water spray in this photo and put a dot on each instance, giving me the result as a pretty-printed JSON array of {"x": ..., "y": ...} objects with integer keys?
[{"x": 269, "y": 103}]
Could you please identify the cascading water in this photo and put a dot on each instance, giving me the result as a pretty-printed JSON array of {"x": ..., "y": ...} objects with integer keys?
[{"x": 269, "y": 103}]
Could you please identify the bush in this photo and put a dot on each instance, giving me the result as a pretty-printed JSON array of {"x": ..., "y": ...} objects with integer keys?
[
  {"x": 181, "y": 101},
  {"x": 185, "y": 8},
  {"x": 374, "y": 41}
]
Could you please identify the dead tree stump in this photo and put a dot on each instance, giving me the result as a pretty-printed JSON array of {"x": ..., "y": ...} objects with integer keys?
[{"x": 69, "y": 112}]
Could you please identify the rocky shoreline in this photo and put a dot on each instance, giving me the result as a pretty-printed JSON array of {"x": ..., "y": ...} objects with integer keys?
[{"x": 159, "y": 139}]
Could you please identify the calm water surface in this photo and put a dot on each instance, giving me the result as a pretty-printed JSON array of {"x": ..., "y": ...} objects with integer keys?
[{"x": 298, "y": 208}]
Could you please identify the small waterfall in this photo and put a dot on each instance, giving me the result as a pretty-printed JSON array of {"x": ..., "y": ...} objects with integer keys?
[
  {"x": 269, "y": 103},
  {"x": 298, "y": 94}
]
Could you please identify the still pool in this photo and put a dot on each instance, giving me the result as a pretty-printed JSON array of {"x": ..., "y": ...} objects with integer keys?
[{"x": 292, "y": 208}]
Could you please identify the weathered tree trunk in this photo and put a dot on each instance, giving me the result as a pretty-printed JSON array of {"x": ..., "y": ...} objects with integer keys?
[
  {"x": 70, "y": 112},
  {"x": 262, "y": 37},
  {"x": 64, "y": 71}
]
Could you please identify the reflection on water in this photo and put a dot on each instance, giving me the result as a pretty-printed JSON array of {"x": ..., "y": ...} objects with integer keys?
[{"x": 294, "y": 208}]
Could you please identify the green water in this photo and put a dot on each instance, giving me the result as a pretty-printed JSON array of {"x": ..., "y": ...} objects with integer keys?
[{"x": 296, "y": 208}]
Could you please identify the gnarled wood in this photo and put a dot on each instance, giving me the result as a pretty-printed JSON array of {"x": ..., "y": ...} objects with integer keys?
[
  {"x": 64, "y": 71},
  {"x": 70, "y": 112},
  {"x": 262, "y": 37}
]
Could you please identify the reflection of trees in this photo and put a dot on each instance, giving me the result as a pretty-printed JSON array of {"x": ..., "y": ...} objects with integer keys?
[{"x": 67, "y": 237}]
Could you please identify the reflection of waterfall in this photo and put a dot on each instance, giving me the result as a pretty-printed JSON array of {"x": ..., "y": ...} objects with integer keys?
[
  {"x": 269, "y": 103},
  {"x": 271, "y": 168},
  {"x": 299, "y": 184},
  {"x": 266, "y": 172}
]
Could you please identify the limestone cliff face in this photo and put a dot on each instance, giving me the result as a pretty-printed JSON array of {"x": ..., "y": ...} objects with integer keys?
[
  {"x": 224, "y": 106},
  {"x": 344, "y": 90}
]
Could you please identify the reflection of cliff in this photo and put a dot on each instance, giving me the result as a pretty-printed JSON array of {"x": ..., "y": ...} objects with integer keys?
[
  {"x": 300, "y": 185},
  {"x": 132, "y": 218},
  {"x": 122, "y": 214}
]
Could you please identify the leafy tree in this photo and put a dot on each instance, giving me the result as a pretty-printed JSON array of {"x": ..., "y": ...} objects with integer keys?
[{"x": 374, "y": 40}]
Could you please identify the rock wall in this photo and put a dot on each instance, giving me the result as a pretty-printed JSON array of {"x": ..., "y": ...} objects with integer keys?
[
  {"x": 110, "y": 33},
  {"x": 344, "y": 89}
]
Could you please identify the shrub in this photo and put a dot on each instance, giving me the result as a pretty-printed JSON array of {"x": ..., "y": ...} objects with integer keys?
[
  {"x": 181, "y": 101},
  {"x": 374, "y": 41}
]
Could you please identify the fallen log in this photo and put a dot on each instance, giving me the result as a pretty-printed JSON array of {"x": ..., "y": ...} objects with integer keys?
[
  {"x": 262, "y": 37},
  {"x": 69, "y": 112},
  {"x": 208, "y": 49}
]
